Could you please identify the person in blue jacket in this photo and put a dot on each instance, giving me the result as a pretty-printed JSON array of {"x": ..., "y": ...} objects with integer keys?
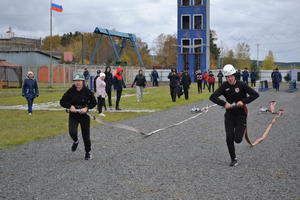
[
  {"x": 245, "y": 76},
  {"x": 277, "y": 78},
  {"x": 253, "y": 78},
  {"x": 30, "y": 90},
  {"x": 154, "y": 78}
]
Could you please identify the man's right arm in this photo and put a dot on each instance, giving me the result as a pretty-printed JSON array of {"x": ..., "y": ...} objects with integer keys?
[{"x": 214, "y": 97}]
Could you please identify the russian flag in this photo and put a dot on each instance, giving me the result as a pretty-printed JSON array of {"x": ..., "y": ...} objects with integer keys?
[{"x": 56, "y": 7}]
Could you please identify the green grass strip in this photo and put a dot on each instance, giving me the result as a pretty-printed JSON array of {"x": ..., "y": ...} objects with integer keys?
[{"x": 18, "y": 128}]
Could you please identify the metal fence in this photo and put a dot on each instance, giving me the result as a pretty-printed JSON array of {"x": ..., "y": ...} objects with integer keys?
[{"x": 63, "y": 73}]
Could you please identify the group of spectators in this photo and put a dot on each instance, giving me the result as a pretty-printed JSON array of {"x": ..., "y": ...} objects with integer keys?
[
  {"x": 179, "y": 84},
  {"x": 245, "y": 76}
]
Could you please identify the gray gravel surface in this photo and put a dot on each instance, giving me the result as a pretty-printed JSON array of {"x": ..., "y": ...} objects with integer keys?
[{"x": 189, "y": 161}]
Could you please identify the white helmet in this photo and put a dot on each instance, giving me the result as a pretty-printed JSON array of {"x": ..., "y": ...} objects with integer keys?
[
  {"x": 30, "y": 72},
  {"x": 228, "y": 70},
  {"x": 102, "y": 74}
]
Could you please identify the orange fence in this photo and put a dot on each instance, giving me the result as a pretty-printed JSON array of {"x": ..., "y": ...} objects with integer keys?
[{"x": 60, "y": 74}]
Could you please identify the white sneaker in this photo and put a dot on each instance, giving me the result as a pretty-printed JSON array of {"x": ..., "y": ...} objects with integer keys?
[
  {"x": 102, "y": 114},
  {"x": 29, "y": 113}
]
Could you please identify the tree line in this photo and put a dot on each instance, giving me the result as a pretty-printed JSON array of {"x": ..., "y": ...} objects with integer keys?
[{"x": 164, "y": 52}]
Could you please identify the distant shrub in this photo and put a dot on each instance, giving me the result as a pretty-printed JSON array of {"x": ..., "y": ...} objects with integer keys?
[{"x": 287, "y": 77}]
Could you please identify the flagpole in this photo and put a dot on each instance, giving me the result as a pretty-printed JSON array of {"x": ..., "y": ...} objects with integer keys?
[{"x": 50, "y": 70}]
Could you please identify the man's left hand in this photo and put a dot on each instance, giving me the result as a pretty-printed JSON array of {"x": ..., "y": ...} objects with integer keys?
[
  {"x": 240, "y": 104},
  {"x": 83, "y": 110}
]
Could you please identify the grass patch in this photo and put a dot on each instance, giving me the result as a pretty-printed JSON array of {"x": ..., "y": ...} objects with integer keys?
[{"x": 19, "y": 128}]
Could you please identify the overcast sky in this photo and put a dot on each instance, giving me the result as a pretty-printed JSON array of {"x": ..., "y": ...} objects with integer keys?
[{"x": 273, "y": 24}]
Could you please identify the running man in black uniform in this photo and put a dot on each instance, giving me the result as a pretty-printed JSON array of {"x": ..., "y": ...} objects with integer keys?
[
  {"x": 237, "y": 95},
  {"x": 79, "y": 99}
]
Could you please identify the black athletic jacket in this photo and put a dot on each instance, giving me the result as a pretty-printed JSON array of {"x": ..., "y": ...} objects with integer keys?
[
  {"x": 174, "y": 79},
  {"x": 186, "y": 80},
  {"x": 79, "y": 99},
  {"x": 95, "y": 79},
  {"x": 108, "y": 80},
  {"x": 234, "y": 93},
  {"x": 140, "y": 80}
]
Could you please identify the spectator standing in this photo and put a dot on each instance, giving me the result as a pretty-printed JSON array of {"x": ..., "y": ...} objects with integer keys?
[
  {"x": 186, "y": 82},
  {"x": 119, "y": 84},
  {"x": 140, "y": 81},
  {"x": 101, "y": 93},
  {"x": 205, "y": 78},
  {"x": 154, "y": 78},
  {"x": 30, "y": 90},
  {"x": 211, "y": 82},
  {"x": 277, "y": 78},
  {"x": 86, "y": 75},
  {"x": 109, "y": 82},
  {"x": 272, "y": 77},
  {"x": 220, "y": 78},
  {"x": 238, "y": 75},
  {"x": 95, "y": 79},
  {"x": 199, "y": 79},
  {"x": 245, "y": 76},
  {"x": 253, "y": 78},
  {"x": 174, "y": 83}
]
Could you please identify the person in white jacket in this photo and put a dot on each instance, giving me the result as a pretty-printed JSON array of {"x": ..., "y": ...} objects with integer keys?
[{"x": 101, "y": 93}]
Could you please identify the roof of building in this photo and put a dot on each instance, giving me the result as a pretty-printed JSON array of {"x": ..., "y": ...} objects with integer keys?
[
  {"x": 46, "y": 53},
  {"x": 4, "y": 63}
]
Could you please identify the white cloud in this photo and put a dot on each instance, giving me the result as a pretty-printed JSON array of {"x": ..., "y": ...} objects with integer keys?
[{"x": 271, "y": 23}]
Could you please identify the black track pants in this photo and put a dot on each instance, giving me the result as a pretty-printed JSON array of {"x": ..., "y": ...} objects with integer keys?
[
  {"x": 211, "y": 87},
  {"x": 84, "y": 121},
  {"x": 108, "y": 92},
  {"x": 173, "y": 92},
  {"x": 235, "y": 127},
  {"x": 101, "y": 103},
  {"x": 199, "y": 85},
  {"x": 119, "y": 94},
  {"x": 186, "y": 92}
]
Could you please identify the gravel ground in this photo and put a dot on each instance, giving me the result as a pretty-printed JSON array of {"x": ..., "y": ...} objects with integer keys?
[{"x": 189, "y": 161}]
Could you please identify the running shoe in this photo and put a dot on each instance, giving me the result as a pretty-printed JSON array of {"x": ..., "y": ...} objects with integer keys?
[
  {"x": 88, "y": 156},
  {"x": 74, "y": 146},
  {"x": 233, "y": 163}
]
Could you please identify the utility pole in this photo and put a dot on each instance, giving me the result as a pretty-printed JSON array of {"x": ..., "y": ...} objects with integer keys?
[
  {"x": 257, "y": 55},
  {"x": 50, "y": 67},
  {"x": 82, "y": 49}
]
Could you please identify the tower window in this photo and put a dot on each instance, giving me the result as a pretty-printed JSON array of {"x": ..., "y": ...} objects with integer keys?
[
  {"x": 185, "y": 22},
  {"x": 198, "y": 46},
  {"x": 185, "y": 2},
  {"x": 198, "y": 2},
  {"x": 198, "y": 22},
  {"x": 185, "y": 46}
]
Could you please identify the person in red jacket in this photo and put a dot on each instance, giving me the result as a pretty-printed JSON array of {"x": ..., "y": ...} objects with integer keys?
[
  {"x": 205, "y": 79},
  {"x": 211, "y": 81},
  {"x": 119, "y": 84}
]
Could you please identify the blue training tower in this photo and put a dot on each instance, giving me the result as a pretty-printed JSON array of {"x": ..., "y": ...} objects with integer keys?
[{"x": 193, "y": 35}]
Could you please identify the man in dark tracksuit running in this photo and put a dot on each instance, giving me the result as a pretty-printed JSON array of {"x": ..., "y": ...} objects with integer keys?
[
  {"x": 237, "y": 95},
  {"x": 78, "y": 99}
]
